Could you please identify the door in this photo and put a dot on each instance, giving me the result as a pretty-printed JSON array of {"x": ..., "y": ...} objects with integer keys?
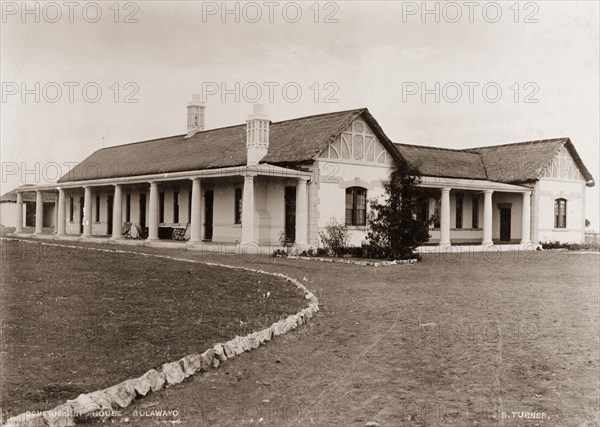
[
  {"x": 29, "y": 214},
  {"x": 290, "y": 214},
  {"x": 109, "y": 214},
  {"x": 81, "y": 215},
  {"x": 505, "y": 225},
  {"x": 208, "y": 214},
  {"x": 143, "y": 211}
]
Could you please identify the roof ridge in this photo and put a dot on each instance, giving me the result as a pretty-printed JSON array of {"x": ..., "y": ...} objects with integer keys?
[
  {"x": 321, "y": 115},
  {"x": 231, "y": 126},
  {"x": 463, "y": 150},
  {"x": 532, "y": 142}
]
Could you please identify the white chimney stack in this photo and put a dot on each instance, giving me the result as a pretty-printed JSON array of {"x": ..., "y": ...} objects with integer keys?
[
  {"x": 195, "y": 115},
  {"x": 257, "y": 135}
]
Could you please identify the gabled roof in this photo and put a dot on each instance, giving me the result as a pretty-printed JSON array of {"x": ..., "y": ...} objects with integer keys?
[
  {"x": 290, "y": 142},
  {"x": 525, "y": 161},
  {"x": 517, "y": 163},
  {"x": 443, "y": 162},
  {"x": 28, "y": 196},
  {"x": 297, "y": 141}
]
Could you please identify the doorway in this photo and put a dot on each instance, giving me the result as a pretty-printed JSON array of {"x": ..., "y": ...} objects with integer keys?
[
  {"x": 109, "y": 214},
  {"x": 208, "y": 214},
  {"x": 143, "y": 211},
  {"x": 290, "y": 214},
  {"x": 505, "y": 214},
  {"x": 81, "y": 215}
]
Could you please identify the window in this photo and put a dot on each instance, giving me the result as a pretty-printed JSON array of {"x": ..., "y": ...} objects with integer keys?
[
  {"x": 423, "y": 209},
  {"x": 356, "y": 206},
  {"x": 474, "y": 212},
  {"x": 437, "y": 213},
  {"x": 71, "y": 209},
  {"x": 238, "y": 206},
  {"x": 97, "y": 208},
  {"x": 161, "y": 203},
  {"x": 560, "y": 213},
  {"x": 128, "y": 208},
  {"x": 176, "y": 207},
  {"x": 459, "y": 210}
]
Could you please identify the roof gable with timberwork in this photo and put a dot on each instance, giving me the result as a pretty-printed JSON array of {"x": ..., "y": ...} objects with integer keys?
[
  {"x": 563, "y": 167},
  {"x": 357, "y": 144}
]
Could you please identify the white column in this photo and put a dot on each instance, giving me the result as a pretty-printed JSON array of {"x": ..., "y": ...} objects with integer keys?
[
  {"x": 487, "y": 217},
  {"x": 19, "y": 224},
  {"x": 117, "y": 224},
  {"x": 87, "y": 212},
  {"x": 445, "y": 217},
  {"x": 153, "y": 212},
  {"x": 60, "y": 221},
  {"x": 196, "y": 219},
  {"x": 302, "y": 211},
  {"x": 248, "y": 210},
  {"x": 39, "y": 212},
  {"x": 56, "y": 201},
  {"x": 526, "y": 218}
]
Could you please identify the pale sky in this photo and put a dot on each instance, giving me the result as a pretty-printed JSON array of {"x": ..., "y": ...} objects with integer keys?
[{"x": 369, "y": 58}]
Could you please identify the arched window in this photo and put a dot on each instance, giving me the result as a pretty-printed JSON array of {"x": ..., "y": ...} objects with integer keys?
[
  {"x": 356, "y": 206},
  {"x": 560, "y": 213}
]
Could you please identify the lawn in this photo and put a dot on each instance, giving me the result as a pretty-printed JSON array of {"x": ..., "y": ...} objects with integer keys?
[
  {"x": 454, "y": 340},
  {"x": 75, "y": 320},
  {"x": 462, "y": 340}
]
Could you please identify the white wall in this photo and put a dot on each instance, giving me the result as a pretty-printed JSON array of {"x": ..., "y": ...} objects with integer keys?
[
  {"x": 334, "y": 179},
  {"x": 8, "y": 214},
  {"x": 546, "y": 191}
]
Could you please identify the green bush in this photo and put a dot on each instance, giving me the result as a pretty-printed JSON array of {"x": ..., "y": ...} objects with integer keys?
[
  {"x": 395, "y": 227},
  {"x": 553, "y": 244},
  {"x": 335, "y": 238}
]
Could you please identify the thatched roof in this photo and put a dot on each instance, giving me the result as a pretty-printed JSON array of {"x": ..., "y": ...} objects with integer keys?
[
  {"x": 517, "y": 163},
  {"x": 290, "y": 142},
  {"x": 299, "y": 141},
  {"x": 525, "y": 161},
  {"x": 443, "y": 162},
  {"x": 28, "y": 196}
]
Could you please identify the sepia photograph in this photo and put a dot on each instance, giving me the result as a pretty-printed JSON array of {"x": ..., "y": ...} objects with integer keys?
[{"x": 300, "y": 213}]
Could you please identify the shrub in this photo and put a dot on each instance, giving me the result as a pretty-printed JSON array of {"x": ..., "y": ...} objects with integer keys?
[
  {"x": 554, "y": 244},
  {"x": 335, "y": 237},
  {"x": 395, "y": 227},
  {"x": 279, "y": 253},
  {"x": 310, "y": 252}
]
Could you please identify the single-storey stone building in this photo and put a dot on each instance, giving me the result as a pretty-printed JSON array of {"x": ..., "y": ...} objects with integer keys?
[{"x": 263, "y": 183}]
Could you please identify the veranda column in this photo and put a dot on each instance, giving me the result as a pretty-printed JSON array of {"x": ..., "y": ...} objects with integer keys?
[
  {"x": 248, "y": 210},
  {"x": 196, "y": 219},
  {"x": 117, "y": 224},
  {"x": 153, "y": 214},
  {"x": 39, "y": 212},
  {"x": 19, "y": 225},
  {"x": 56, "y": 215},
  {"x": 526, "y": 218},
  {"x": 445, "y": 217},
  {"x": 487, "y": 218},
  {"x": 87, "y": 212},
  {"x": 60, "y": 221},
  {"x": 302, "y": 211}
]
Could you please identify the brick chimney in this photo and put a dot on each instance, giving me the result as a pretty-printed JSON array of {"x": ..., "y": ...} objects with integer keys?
[
  {"x": 257, "y": 135},
  {"x": 195, "y": 116}
]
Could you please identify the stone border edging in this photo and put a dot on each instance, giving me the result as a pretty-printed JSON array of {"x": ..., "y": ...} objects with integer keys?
[
  {"x": 123, "y": 394},
  {"x": 352, "y": 261}
]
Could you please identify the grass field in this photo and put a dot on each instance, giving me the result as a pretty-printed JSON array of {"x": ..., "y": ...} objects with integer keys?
[
  {"x": 76, "y": 321},
  {"x": 461, "y": 340}
]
